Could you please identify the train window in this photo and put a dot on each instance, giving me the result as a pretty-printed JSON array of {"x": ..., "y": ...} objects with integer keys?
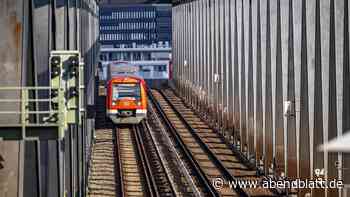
[{"x": 127, "y": 90}]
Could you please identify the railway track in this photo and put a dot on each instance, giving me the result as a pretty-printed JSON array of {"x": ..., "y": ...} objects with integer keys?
[
  {"x": 157, "y": 169},
  {"x": 124, "y": 160},
  {"x": 178, "y": 171},
  {"x": 131, "y": 177},
  {"x": 142, "y": 172},
  {"x": 205, "y": 149}
]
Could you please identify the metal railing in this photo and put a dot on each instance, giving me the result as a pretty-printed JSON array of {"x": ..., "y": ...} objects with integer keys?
[{"x": 25, "y": 109}]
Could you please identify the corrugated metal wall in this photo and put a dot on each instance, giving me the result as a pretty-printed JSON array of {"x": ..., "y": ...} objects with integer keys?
[
  {"x": 242, "y": 60},
  {"x": 30, "y": 29}
]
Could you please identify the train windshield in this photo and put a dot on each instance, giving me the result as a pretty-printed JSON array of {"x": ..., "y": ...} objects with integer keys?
[{"x": 127, "y": 90}]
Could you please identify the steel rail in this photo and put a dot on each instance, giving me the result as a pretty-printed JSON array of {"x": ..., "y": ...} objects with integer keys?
[
  {"x": 205, "y": 147},
  {"x": 171, "y": 144},
  {"x": 202, "y": 177},
  {"x": 119, "y": 166},
  {"x": 147, "y": 128},
  {"x": 147, "y": 169}
]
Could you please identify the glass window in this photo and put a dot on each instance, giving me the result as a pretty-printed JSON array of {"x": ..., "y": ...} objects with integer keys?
[{"x": 127, "y": 90}]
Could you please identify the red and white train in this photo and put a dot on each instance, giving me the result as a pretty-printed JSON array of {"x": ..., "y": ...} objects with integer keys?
[{"x": 126, "y": 99}]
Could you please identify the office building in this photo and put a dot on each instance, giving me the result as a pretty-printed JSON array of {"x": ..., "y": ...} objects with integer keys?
[{"x": 129, "y": 26}]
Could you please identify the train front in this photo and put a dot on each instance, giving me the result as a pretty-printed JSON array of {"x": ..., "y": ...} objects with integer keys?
[{"x": 126, "y": 100}]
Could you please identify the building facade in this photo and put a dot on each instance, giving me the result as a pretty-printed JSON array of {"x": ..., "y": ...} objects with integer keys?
[
  {"x": 130, "y": 26},
  {"x": 138, "y": 34}
]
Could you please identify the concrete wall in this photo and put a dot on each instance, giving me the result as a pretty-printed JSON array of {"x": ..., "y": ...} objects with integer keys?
[
  {"x": 30, "y": 29},
  {"x": 242, "y": 60}
]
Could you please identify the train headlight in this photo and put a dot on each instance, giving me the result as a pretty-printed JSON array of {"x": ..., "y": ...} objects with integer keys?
[
  {"x": 139, "y": 103},
  {"x": 114, "y": 103}
]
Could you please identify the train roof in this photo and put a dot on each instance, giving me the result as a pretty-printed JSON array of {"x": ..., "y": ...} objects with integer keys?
[{"x": 122, "y": 67}]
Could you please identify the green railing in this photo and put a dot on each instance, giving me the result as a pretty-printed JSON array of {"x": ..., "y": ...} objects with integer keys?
[
  {"x": 45, "y": 112},
  {"x": 26, "y": 112}
]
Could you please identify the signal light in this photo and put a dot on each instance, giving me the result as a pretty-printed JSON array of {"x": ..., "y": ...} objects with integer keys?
[
  {"x": 73, "y": 92},
  {"x": 74, "y": 60},
  {"x": 55, "y": 61},
  {"x": 74, "y": 65},
  {"x": 55, "y": 66}
]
